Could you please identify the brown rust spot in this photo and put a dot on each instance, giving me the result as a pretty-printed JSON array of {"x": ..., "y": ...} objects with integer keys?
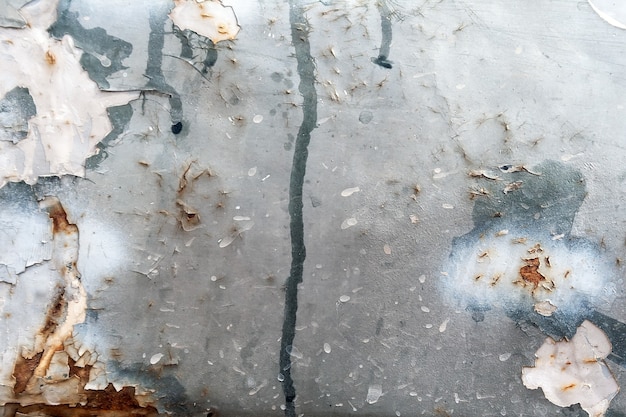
[
  {"x": 60, "y": 224},
  {"x": 23, "y": 371},
  {"x": 530, "y": 272},
  {"x": 50, "y": 58},
  {"x": 495, "y": 280},
  {"x": 80, "y": 373},
  {"x": 568, "y": 387},
  {"x": 55, "y": 313}
]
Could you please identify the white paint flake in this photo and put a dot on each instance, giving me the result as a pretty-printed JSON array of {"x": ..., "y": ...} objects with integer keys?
[{"x": 574, "y": 372}]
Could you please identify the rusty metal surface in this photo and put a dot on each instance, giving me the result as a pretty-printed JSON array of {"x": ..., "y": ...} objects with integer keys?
[{"x": 311, "y": 208}]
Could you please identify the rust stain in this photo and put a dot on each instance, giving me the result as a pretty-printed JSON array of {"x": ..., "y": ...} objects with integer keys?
[
  {"x": 60, "y": 224},
  {"x": 568, "y": 387},
  {"x": 50, "y": 58},
  {"x": 530, "y": 272},
  {"x": 55, "y": 313},
  {"x": 23, "y": 371},
  {"x": 81, "y": 373}
]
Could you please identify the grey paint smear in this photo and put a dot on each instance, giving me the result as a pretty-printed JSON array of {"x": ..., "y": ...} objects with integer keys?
[
  {"x": 16, "y": 108},
  {"x": 120, "y": 119},
  {"x": 546, "y": 202},
  {"x": 103, "y": 53}
]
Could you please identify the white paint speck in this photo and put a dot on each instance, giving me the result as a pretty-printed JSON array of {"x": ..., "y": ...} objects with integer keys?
[
  {"x": 348, "y": 223},
  {"x": 252, "y": 172},
  {"x": 156, "y": 358},
  {"x": 422, "y": 278},
  {"x": 425, "y": 309},
  {"x": 443, "y": 326},
  {"x": 349, "y": 191},
  {"x": 447, "y": 206},
  {"x": 327, "y": 347},
  {"x": 257, "y": 118},
  {"x": 373, "y": 393},
  {"x": 504, "y": 357},
  {"x": 387, "y": 249},
  {"x": 344, "y": 298}
]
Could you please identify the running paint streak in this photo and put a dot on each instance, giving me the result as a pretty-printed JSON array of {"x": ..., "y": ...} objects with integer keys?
[
  {"x": 385, "y": 47},
  {"x": 306, "y": 70}
]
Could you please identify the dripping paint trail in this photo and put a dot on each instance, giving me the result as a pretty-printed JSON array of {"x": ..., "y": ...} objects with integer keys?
[
  {"x": 306, "y": 70},
  {"x": 385, "y": 46}
]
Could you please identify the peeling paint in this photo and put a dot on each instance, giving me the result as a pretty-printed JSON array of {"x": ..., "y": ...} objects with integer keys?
[
  {"x": 207, "y": 18},
  {"x": 57, "y": 374},
  {"x": 71, "y": 110},
  {"x": 574, "y": 372}
]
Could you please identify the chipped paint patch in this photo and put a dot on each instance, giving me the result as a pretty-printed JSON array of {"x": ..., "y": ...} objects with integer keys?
[
  {"x": 71, "y": 110},
  {"x": 574, "y": 372},
  {"x": 207, "y": 18},
  {"x": 524, "y": 270}
]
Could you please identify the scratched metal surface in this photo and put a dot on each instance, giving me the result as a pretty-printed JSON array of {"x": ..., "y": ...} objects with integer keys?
[{"x": 273, "y": 226}]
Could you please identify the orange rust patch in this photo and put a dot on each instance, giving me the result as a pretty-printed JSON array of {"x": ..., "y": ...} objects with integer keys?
[
  {"x": 23, "y": 371},
  {"x": 50, "y": 58},
  {"x": 530, "y": 272},
  {"x": 568, "y": 387},
  {"x": 60, "y": 224}
]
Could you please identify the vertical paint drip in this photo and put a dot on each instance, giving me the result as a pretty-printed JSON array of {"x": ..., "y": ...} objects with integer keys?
[
  {"x": 156, "y": 42},
  {"x": 306, "y": 70},
  {"x": 385, "y": 45}
]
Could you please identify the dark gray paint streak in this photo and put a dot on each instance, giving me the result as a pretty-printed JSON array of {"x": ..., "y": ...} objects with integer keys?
[
  {"x": 154, "y": 72},
  {"x": 385, "y": 46},
  {"x": 306, "y": 70}
]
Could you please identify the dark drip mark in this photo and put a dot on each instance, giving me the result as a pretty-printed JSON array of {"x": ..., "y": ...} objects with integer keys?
[
  {"x": 385, "y": 46},
  {"x": 154, "y": 72},
  {"x": 177, "y": 128},
  {"x": 306, "y": 70}
]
